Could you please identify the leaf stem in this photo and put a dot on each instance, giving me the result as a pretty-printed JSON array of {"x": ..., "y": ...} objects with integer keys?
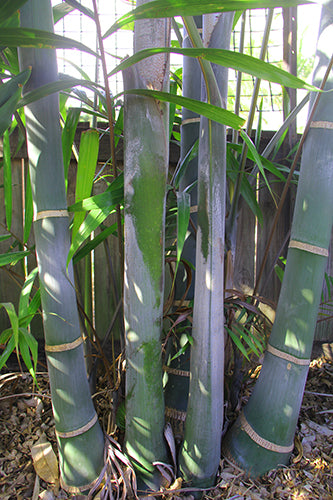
[{"x": 111, "y": 128}]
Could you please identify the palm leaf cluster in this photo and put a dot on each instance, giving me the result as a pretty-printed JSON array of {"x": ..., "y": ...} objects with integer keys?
[{"x": 186, "y": 219}]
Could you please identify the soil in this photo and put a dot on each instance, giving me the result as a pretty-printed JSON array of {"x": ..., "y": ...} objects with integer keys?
[{"x": 26, "y": 415}]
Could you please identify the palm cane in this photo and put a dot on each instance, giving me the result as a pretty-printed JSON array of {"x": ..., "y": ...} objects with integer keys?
[
  {"x": 145, "y": 174},
  {"x": 176, "y": 388},
  {"x": 200, "y": 453},
  {"x": 79, "y": 436},
  {"x": 262, "y": 437}
]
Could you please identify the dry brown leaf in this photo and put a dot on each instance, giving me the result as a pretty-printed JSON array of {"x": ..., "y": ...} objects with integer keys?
[
  {"x": 45, "y": 461},
  {"x": 322, "y": 429},
  {"x": 299, "y": 448},
  {"x": 176, "y": 485}
]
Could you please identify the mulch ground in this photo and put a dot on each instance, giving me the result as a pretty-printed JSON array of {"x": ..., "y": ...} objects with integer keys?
[{"x": 26, "y": 415}]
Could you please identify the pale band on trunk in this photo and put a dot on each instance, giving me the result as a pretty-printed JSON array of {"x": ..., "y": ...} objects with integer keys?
[
  {"x": 264, "y": 443},
  {"x": 183, "y": 303},
  {"x": 44, "y": 214},
  {"x": 322, "y": 124},
  {"x": 79, "y": 431},
  {"x": 307, "y": 247},
  {"x": 191, "y": 120},
  {"x": 77, "y": 489},
  {"x": 194, "y": 209},
  {"x": 287, "y": 357},
  {"x": 64, "y": 347},
  {"x": 175, "y": 371},
  {"x": 175, "y": 414}
]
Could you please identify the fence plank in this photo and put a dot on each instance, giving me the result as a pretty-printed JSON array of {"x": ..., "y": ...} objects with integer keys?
[
  {"x": 245, "y": 250},
  {"x": 270, "y": 285},
  {"x": 105, "y": 301}
]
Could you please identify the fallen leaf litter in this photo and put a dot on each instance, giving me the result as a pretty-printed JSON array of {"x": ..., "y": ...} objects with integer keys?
[{"x": 28, "y": 467}]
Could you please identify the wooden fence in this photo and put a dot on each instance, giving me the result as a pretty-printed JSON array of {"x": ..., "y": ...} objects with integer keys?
[{"x": 252, "y": 239}]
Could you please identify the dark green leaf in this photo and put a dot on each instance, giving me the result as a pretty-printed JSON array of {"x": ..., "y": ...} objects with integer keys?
[
  {"x": 67, "y": 136},
  {"x": 183, "y": 217},
  {"x": 57, "y": 86},
  {"x": 93, "y": 220},
  {"x": 10, "y": 93},
  {"x": 237, "y": 16},
  {"x": 28, "y": 37},
  {"x": 100, "y": 207},
  {"x": 92, "y": 244},
  {"x": 7, "y": 351},
  {"x": 27, "y": 344},
  {"x": 25, "y": 292},
  {"x": 119, "y": 126},
  {"x": 4, "y": 237},
  {"x": 33, "y": 307},
  {"x": 181, "y": 168},
  {"x": 112, "y": 196},
  {"x": 12, "y": 257},
  {"x": 279, "y": 272},
  {"x": 89, "y": 146},
  {"x": 13, "y": 318},
  {"x": 228, "y": 58},
  {"x": 257, "y": 159},
  {"x": 8, "y": 8},
  {"x": 242, "y": 333},
  {"x": 60, "y": 11},
  {"x": 211, "y": 112},
  {"x": 172, "y": 8},
  {"x": 4, "y": 336},
  {"x": 247, "y": 190},
  {"x": 172, "y": 107},
  {"x": 259, "y": 126},
  {"x": 181, "y": 350},
  {"x": 78, "y": 6},
  {"x": 237, "y": 343}
]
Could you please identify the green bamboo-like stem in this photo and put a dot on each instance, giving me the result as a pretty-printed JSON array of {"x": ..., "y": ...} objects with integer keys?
[
  {"x": 201, "y": 450},
  {"x": 177, "y": 386},
  {"x": 189, "y": 135},
  {"x": 145, "y": 173},
  {"x": 81, "y": 456},
  {"x": 262, "y": 438}
]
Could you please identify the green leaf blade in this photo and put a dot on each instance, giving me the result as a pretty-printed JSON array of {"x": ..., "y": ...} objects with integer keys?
[
  {"x": 28, "y": 37},
  {"x": 210, "y": 111},
  {"x": 67, "y": 137},
  {"x": 86, "y": 168},
  {"x": 7, "y": 351},
  {"x": 25, "y": 293},
  {"x": 227, "y": 58},
  {"x": 9, "y": 8},
  {"x": 172, "y": 8},
  {"x": 183, "y": 217},
  {"x": 13, "y": 318},
  {"x": 12, "y": 258}
]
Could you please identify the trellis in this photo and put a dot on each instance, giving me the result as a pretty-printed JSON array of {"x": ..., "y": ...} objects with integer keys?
[{"x": 282, "y": 51}]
